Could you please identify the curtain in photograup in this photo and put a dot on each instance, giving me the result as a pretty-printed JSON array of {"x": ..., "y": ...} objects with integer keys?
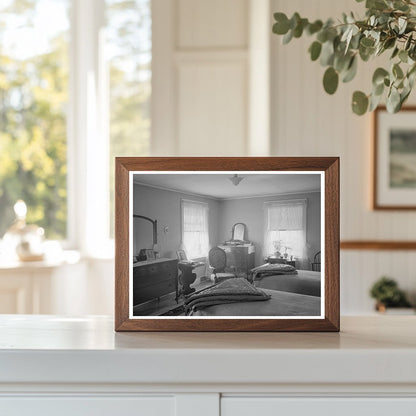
[
  {"x": 195, "y": 236},
  {"x": 285, "y": 229}
]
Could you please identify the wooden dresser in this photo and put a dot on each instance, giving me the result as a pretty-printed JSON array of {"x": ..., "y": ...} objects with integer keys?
[
  {"x": 153, "y": 279},
  {"x": 241, "y": 257}
]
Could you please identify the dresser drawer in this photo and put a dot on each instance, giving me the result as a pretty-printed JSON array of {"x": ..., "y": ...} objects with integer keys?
[{"x": 142, "y": 294}]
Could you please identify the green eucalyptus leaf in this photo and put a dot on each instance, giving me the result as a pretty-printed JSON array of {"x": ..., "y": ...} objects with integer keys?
[
  {"x": 393, "y": 101},
  {"x": 327, "y": 54},
  {"x": 376, "y": 4},
  {"x": 397, "y": 71},
  {"x": 379, "y": 75},
  {"x": 351, "y": 71},
  {"x": 366, "y": 53},
  {"x": 374, "y": 102},
  {"x": 288, "y": 37},
  {"x": 294, "y": 20},
  {"x": 359, "y": 103},
  {"x": 281, "y": 27},
  {"x": 330, "y": 80},
  {"x": 315, "y": 50},
  {"x": 395, "y": 52},
  {"x": 389, "y": 43},
  {"x": 314, "y": 27},
  {"x": 404, "y": 96},
  {"x": 402, "y": 22},
  {"x": 378, "y": 89},
  {"x": 298, "y": 30},
  {"x": 367, "y": 42},
  {"x": 403, "y": 56},
  {"x": 341, "y": 62},
  {"x": 400, "y": 5},
  {"x": 322, "y": 35}
]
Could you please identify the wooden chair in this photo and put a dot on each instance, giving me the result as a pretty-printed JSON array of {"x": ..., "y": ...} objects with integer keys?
[
  {"x": 316, "y": 265},
  {"x": 218, "y": 260}
]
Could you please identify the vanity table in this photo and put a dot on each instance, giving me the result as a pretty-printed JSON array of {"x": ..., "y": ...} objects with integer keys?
[
  {"x": 58, "y": 365},
  {"x": 240, "y": 252},
  {"x": 240, "y": 257}
]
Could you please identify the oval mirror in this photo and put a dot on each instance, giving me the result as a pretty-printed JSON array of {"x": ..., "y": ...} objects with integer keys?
[{"x": 239, "y": 231}]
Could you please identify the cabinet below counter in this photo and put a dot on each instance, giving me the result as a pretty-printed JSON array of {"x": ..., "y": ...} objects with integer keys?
[{"x": 59, "y": 365}]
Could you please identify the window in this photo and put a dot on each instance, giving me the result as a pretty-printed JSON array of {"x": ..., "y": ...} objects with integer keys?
[
  {"x": 75, "y": 88},
  {"x": 33, "y": 112},
  {"x": 195, "y": 237},
  {"x": 286, "y": 228}
]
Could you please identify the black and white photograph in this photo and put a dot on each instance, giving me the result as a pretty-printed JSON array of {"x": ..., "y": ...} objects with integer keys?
[{"x": 226, "y": 244}]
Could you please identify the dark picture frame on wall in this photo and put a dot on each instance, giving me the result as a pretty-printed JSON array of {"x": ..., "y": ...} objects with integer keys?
[
  {"x": 394, "y": 159},
  {"x": 181, "y": 289}
]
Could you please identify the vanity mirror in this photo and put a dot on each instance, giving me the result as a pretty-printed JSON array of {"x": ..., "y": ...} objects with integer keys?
[{"x": 239, "y": 232}]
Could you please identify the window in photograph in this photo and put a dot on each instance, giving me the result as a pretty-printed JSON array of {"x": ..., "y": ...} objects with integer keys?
[
  {"x": 195, "y": 237},
  {"x": 129, "y": 57},
  {"x": 33, "y": 108},
  {"x": 286, "y": 229}
]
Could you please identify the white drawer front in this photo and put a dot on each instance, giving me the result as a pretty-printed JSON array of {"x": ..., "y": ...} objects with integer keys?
[
  {"x": 273, "y": 406},
  {"x": 87, "y": 406}
]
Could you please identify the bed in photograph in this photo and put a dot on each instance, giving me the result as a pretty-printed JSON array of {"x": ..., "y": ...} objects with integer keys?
[
  {"x": 269, "y": 302},
  {"x": 286, "y": 278}
]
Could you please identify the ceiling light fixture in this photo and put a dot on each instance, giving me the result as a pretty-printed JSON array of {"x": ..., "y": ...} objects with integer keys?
[{"x": 236, "y": 179}]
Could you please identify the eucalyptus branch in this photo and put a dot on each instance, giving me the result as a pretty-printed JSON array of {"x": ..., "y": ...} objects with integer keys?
[{"x": 388, "y": 25}]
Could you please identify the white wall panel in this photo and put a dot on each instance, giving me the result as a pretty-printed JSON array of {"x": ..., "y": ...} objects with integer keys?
[
  {"x": 212, "y": 24},
  {"x": 200, "y": 77},
  {"x": 212, "y": 108},
  {"x": 308, "y": 122}
]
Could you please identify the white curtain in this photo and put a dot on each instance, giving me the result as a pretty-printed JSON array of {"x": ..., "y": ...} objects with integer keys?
[
  {"x": 285, "y": 229},
  {"x": 195, "y": 236}
]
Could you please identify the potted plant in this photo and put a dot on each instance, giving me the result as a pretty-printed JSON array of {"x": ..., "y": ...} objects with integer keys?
[{"x": 387, "y": 294}]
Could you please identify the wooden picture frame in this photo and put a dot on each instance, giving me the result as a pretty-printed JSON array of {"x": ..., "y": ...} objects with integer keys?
[
  {"x": 326, "y": 167},
  {"x": 394, "y": 185}
]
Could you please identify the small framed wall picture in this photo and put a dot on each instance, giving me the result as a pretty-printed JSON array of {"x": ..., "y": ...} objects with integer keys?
[
  {"x": 231, "y": 244},
  {"x": 394, "y": 150}
]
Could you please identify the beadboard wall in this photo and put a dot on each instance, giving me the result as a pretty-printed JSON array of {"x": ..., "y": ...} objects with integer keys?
[{"x": 305, "y": 121}]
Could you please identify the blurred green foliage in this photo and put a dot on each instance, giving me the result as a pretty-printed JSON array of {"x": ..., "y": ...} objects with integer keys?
[
  {"x": 33, "y": 97},
  {"x": 386, "y": 291}
]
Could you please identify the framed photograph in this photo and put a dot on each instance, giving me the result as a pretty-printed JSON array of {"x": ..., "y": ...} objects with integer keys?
[
  {"x": 394, "y": 179},
  {"x": 281, "y": 272}
]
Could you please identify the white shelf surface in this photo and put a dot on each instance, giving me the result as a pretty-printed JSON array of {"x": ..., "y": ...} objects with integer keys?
[{"x": 53, "y": 349}]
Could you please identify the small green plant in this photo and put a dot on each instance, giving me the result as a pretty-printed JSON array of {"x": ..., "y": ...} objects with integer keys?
[
  {"x": 389, "y": 26},
  {"x": 386, "y": 292}
]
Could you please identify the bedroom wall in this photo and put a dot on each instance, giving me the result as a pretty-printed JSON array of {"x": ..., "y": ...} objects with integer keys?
[
  {"x": 308, "y": 122},
  {"x": 164, "y": 206},
  {"x": 250, "y": 212}
]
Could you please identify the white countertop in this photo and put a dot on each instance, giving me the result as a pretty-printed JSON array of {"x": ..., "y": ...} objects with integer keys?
[{"x": 373, "y": 349}]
